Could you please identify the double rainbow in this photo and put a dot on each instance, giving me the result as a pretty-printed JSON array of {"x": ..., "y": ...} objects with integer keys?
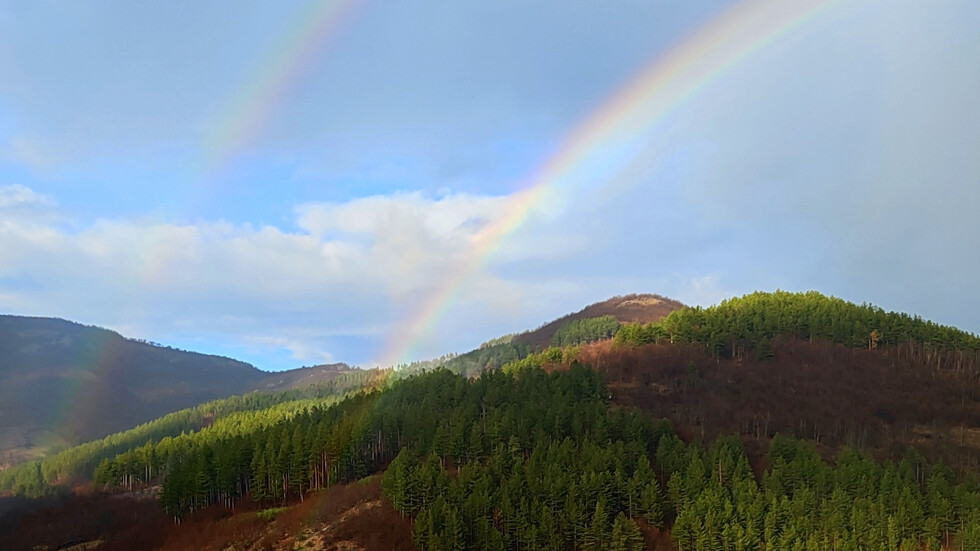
[{"x": 664, "y": 84}]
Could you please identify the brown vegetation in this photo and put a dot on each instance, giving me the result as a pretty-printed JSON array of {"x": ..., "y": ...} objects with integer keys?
[
  {"x": 349, "y": 516},
  {"x": 71, "y": 521},
  {"x": 828, "y": 393}
]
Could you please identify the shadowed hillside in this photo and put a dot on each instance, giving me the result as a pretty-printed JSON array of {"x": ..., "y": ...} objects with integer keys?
[
  {"x": 65, "y": 383},
  {"x": 830, "y": 394}
]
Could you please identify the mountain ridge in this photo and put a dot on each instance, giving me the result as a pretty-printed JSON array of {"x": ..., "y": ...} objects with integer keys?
[
  {"x": 47, "y": 361},
  {"x": 63, "y": 382},
  {"x": 631, "y": 308}
]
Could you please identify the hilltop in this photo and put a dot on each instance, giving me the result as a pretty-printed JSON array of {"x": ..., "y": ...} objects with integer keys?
[
  {"x": 635, "y": 308},
  {"x": 594, "y": 322},
  {"x": 304, "y": 376}
]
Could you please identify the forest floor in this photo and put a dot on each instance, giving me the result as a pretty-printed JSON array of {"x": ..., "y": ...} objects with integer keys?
[{"x": 344, "y": 517}]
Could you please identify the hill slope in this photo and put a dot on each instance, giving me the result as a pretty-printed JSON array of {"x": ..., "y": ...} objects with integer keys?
[
  {"x": 305, "y": 376},
  {"x": 64, "y": 383},
  {"x": 634, "y": 308},
  {"x": 484, "y": 462}
]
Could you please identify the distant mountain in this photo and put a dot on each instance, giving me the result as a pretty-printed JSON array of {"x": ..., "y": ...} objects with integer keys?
[
  {"x": 626, "y": 309},
  {"x": 303, "y": 376},
  {"x": 65, "y": 383}
]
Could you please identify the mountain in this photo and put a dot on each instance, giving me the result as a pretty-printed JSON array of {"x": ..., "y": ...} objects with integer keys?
[
  {"x": 635, "y": 308},
  {"x": 304, "y": 376},
  {"x": 774, "y": 420},
  {"x": 65, "y": 383}
]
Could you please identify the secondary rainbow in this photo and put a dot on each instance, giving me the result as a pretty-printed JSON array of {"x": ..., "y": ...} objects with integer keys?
[
  {"x": 661, "y": 86},
  {"x": 269, "y": 86}
]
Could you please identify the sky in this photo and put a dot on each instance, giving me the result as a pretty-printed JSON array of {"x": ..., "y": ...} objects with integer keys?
[{"x": 297, "y": 183}]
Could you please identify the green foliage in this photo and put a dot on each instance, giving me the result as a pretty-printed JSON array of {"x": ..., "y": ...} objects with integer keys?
[
  {"x": 625, "y": 535},
  {"x": 585, "y": 330},
  {"x": 749, "y": 323},
  {"x": 506, "y": 339},
  {"x": 581, "y": 485},
  {"x": 491, "y": 355},
  {"x": 485, "y": 358},
  {"x": 551, "y": 355},
  {"x": 147, "y": 441},
  {"x": 554, "y": 467},
  {"x": 268, "y": 515},
  {"x": 804, "y": 503}
]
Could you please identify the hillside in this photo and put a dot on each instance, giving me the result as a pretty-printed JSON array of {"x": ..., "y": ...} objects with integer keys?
[
  {"x": 304, "y": 376},
  {"x": 65, "y": 383},
  {"x": 774, "y": 420},
  {"x": 633, "y": 308}
]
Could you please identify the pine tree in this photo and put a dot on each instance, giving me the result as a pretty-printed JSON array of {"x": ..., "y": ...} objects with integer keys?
[
  {"x": 598, "y": 533},
  {"x": 625, "y": 535},
  {"x": 650, "y": 503}
]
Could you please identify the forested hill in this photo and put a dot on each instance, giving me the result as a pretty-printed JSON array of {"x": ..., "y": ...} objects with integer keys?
[
  {"x": 634, "y": 308},
  {"x": 597, "y": 321},
  {"x": 771, "y": 421},
  {"x": 62, "y": 382},
  {"x": 738, "y": 326}
]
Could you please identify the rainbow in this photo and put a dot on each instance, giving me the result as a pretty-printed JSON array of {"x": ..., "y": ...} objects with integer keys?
[
  {"x": 661, "y": 86},
  {"x": 270, "y": 84},
  {"x": 78, "y": 396}
]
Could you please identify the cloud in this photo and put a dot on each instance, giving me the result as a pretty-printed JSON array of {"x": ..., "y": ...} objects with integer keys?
[
  {"x": 25, "y": 212},
  {"x": 840, "y": 157},
  {"x": 405, "y": 239},
  {"x": 18, "y": 197},
  {"x": 347, "y": 270},
  {"x": 302, "y": 350}
]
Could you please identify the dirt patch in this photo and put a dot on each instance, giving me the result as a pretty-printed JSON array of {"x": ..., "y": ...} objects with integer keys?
[{"x": 325, "y": 536}]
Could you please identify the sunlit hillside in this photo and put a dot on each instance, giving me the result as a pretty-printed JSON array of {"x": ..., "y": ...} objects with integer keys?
[{"x": 769, "y": 406}]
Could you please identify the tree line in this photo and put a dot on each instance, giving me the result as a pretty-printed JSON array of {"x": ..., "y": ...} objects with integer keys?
[
  {"x": 585, "y": 330},
  {"x": 739, "y": 326},
  {"x": 36, "y": 478}
]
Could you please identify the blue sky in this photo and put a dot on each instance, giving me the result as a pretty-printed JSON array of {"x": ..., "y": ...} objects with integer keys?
[{"x": 841, "y": 157}]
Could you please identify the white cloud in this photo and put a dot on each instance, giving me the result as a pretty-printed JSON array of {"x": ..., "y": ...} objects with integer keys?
[
  {"x": 367, "y": 263},
  {"x": 302, "y": 350},
  {"x": 18, "y": 196},
  {"x": 406, "y": 241},
  {"x": 702, "y": 291}
]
